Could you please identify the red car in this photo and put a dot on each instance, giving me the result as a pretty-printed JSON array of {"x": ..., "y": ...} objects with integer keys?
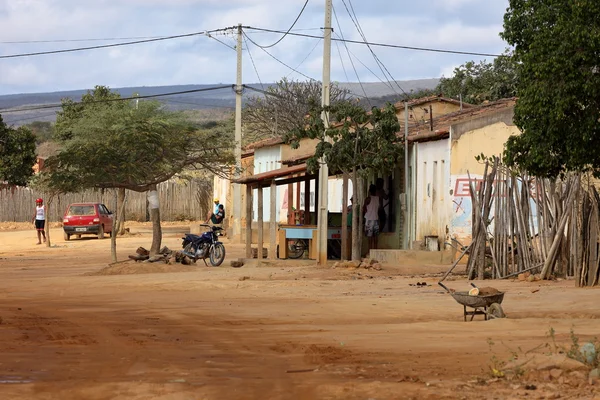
[{"x": 87, "y": 219}]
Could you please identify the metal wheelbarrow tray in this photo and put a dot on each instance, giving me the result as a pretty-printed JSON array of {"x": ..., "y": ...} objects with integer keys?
[{"x": 486, "y": 305}]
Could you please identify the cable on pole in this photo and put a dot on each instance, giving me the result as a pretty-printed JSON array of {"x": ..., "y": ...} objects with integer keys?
[{"x": 288, "y": 31}]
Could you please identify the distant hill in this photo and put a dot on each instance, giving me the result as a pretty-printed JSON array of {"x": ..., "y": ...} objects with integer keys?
[{"x": 223, "y": 99}]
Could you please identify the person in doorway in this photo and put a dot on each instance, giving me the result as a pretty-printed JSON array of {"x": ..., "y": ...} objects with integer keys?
[
  {"x": 39, "y": 220},
  {"x": 217, "y": 215},
  {"x": 370, "y": 210},
  {"x": 383, "y": 197}
]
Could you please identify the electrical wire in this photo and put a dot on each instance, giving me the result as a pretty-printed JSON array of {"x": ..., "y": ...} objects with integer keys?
[
  {"x": 78, "y": 40},
  {"x": 253, "y": 64},
  {"x": 220, "y": 41},
  {"x": 306, "y": 58},
  {"x": 104, "y": 46},
  {"x": 148, "y": 96},
  {"x": 278, "y": 60},
  {"x": 382, "y": 66},
  {"x": 289, "y": 30},
  {"x": 394, "y": 46},
  {"x": 350, "y": 58}
]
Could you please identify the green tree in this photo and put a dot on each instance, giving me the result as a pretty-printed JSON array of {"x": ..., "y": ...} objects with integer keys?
[
  {"x": 17, "y": 154},
  {"x": 111, "y": 143},
  {"x": 43, "y": 130},
  {"x": 363, "y": 144},
  {"x": 284, "y": 108},
  {"x": 557, "y": 47},
  {"x": 483, "y": 81}
]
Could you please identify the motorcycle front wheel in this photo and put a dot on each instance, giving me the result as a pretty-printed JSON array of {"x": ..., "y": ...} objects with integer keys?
[{"x": 217, "y": 254}]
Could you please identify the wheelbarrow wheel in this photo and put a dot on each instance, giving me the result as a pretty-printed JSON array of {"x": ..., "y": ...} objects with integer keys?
[{"x": 495, "y": 311}]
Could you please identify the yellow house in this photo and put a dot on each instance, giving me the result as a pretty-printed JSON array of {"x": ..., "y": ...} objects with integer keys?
[{"x": 441, "y": 161}]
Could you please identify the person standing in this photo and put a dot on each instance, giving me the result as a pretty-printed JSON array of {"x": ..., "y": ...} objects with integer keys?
[
  {"x": 383, "y": 196},
  {"x": 39, "y": 220},
  {"x": 370, "y": 211}
]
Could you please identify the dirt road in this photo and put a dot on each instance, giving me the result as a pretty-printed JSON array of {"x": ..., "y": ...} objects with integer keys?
[{"x": 279, "y": 331}]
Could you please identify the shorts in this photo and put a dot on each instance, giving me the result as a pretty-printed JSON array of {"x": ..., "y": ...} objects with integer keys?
[
  {"x": 215, "y": 220},
  {"x": 39, "y": 224},
  {"x": 372, "y": 228}
]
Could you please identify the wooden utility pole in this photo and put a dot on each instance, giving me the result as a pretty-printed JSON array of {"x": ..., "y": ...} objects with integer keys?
[
  {"x": 237, "y": 190},
  {"x": 324, "y": 170}
]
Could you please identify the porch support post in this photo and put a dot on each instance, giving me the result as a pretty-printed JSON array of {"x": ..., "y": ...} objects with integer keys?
[
  {"x": 307, "y": 201},
  {"x": 345, "y": 217},
  {"x": 249, "y": 221},
  {"x": 290, "y": 202},
  {"x": 273, "y": 222},
  {"x": 316, "y": 199},
  {"x": 259, "y": 254}
]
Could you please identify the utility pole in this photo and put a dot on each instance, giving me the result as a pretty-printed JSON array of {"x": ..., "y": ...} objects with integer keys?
[
  {"x": 324, "y": 170},
  {"x": 237, "y": 190},
  {"x": 407, "y": 192}
]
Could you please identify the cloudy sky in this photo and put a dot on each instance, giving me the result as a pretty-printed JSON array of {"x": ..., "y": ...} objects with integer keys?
[{"x": 466, "y": 25}]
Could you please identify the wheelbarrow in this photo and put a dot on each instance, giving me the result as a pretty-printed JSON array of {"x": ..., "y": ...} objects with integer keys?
[{"x": 486, "y": 305}]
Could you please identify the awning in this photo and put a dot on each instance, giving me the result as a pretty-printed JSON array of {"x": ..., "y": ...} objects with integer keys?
[{"x": 267, "y": 177}]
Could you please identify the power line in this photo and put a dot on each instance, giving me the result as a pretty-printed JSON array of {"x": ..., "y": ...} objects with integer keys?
[
  {"x": 306, "y": 58},
  {"x": 104, "y": 46},
  {"x": 350, "y": 58},
  {"x": 78, "y": 40},
  {"x": 220, "y": 41},
  {"x": 110, "y": 39},
  {"x": 394, "y": 46},
  {"x": 148, "y": 96},
  {"x": 278, "y": 60},
  {"x": 382, "y": 67},
  {"x": 253, "y": 64},
  {"x": 288, "y": 31}
]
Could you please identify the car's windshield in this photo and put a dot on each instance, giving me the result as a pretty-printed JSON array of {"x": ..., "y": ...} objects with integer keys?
[{"x": 81, "y": 210}]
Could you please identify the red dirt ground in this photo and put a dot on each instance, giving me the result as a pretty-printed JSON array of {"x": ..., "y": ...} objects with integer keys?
[{"x": 279, "y": 331}]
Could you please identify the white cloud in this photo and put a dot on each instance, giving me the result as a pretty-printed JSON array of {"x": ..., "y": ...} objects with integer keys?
[{"x": 203, "y": 60}]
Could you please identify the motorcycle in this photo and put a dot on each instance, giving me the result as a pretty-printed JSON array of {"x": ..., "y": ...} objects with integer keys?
[{"x": 199, "y": 247}]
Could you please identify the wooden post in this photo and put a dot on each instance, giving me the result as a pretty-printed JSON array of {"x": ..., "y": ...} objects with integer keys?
[
  {"x": 316, "y": 199},
  {"x": 249, "y": 221},
  {"x": 298, "y": 196},
  {"x": 345, "y": 217},
  {"x": 290, "y": 202},
  {"x": 273, "y": 222},
  {"x": 307, "y": 201},
  {"x": 259, "y": 249}
]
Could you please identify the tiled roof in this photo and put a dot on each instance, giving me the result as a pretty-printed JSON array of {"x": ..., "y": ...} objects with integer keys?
[
  {"x": 442, "y": 123},
  {"x": 264, "y": 143},
  {"x": 428, "y": 99}
]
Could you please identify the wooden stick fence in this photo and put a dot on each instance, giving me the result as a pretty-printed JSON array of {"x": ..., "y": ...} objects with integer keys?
[
  {"x": 523, "y": 224},
  {"x": 178, "y": 201}
]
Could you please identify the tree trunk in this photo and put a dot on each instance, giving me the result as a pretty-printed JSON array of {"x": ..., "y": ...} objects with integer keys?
[
  {"x": 153, "y": 205},
  {"x": 121, "y": 211},
  {"x": 47, "y": 224},
  {"x": 357, "y": 215},
  {"x": 119, "y": 220},
  {"x": 356, "y": 211}
]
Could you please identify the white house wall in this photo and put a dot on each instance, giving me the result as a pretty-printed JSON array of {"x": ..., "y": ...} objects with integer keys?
[{"x": 433, "y": 201}]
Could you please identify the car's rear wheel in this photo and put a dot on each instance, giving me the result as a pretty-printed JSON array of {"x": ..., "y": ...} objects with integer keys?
[
  {"x": 66, "y": 236},
  {"x": 101, "y": 232}
]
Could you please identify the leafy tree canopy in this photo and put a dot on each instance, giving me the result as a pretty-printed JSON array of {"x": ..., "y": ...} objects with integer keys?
[
  {"x": 557, "y": 47},
  {"x": 109, "y": 143},
  {"x": 284, "y": 109},
  {"x": 43, "y": 130},
  {"x": 366, "y": 142},
  {"x": 483, "y": 81},
  {"x": 17, "y": 154}
]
